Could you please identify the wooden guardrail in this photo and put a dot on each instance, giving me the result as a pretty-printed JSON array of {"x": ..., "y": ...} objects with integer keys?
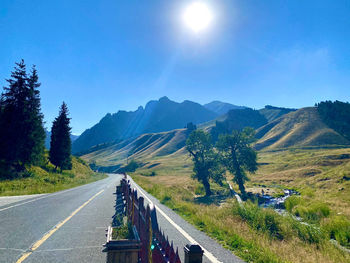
[
  {"x": 149, "y": 243},
  {"x": 155, "y": 247}
]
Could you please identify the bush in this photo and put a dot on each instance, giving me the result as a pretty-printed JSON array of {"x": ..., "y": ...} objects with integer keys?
[
  {"x": 307, "y": 233},
  {"x": 199, "y": 190},
  {"x": 291, "y": 202},
  {"x": 277, "y": 226},
  {"x": 313, "y": 213},
  {"x": 131, "y": 167},
  {"x": 264, "y": 220},
  {"x": 338, "y": 228},
  {"x": 153, "y": 173}
]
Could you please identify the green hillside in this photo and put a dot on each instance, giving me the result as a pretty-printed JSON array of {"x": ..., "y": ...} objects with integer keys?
[
  {"x": 45, "y": 179},
  {"x": 302, "y": 128}
]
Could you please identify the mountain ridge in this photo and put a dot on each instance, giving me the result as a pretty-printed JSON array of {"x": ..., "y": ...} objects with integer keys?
[{"x": 157, "y": 116}]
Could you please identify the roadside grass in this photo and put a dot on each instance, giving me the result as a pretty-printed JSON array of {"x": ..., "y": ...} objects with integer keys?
[
  {"x": 45, "y": 180},
  {"x": 262, "y": 235}
]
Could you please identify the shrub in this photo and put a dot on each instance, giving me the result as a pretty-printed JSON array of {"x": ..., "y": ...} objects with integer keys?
[
  {"x": 199, "y": 190},
  {"x": 338, "y": 228},
  {"x": 153, "y": 173},
  {"x": 132, "y": 166},
  {"x": 307, "y": 233},
  {"x": 313, "y": 213},
  {"x": 264, "y": 220},
  {"x": 291, "y": 202}
]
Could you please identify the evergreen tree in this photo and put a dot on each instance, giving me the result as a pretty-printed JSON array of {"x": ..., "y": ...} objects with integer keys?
[
  {"x": 60, "y": 145},
  {"x": 21, "y": 122},
  {"x": 35, "y": 132}
]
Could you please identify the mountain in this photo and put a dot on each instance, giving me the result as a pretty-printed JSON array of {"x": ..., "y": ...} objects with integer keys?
[
  {"x": 271, "y": 113},
  {"x": 300, "y": 128},
  {"x": 221, "y": 107},
  {"x": 237, "y": 120},
  {"x": 48, "y": 138},
  {"x": 157, "y": 116}
]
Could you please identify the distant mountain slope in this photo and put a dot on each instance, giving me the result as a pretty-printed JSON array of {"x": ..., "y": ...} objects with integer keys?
[
  {"x": 271, "y": 113},
  {"x": 221, "y": 107},
  {"x": 144, "y": 146},
  {"x": 157, "y": 116},
  {"x": 303, "y": 127},
  {"x": 237, "y": 120}
]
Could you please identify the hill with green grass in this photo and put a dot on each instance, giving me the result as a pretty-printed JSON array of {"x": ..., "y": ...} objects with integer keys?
[
  {"x": 296, "y": 129},
  {"x": 45, "y": 179},
  {"x": 301, "y": 128}
]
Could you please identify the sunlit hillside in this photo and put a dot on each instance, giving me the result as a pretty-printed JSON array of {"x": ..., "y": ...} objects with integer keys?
[{"x": 298, "y": 129}]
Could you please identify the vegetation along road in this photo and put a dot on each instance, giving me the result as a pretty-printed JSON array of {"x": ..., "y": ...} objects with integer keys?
[
  {"x": 69, "y": 226},
  {"x": 182, "y": 233}
]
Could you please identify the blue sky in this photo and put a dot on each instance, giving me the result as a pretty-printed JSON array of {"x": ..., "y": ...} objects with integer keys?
[{"x": 103, "y": 56}]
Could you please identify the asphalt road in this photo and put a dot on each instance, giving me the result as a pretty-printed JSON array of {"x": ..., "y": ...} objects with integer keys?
[{"x": 69, "y": 226}]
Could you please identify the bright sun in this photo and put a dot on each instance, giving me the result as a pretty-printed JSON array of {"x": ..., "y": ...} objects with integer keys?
[{"x": 197, "y": 16}]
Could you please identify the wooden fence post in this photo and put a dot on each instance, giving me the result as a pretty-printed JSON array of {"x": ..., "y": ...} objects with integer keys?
[{"x": 193, "y": 253}]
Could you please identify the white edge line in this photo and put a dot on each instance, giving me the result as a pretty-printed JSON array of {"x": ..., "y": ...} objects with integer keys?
[{"x": 209, "y": 255}]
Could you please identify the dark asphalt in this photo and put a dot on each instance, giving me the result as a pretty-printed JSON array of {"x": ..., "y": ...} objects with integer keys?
[{"x": 80, "y": 239}]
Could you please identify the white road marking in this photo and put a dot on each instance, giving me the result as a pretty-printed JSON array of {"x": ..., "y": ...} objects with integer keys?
[
  {"x": 209, "y": 255},
  {"x": 38, "y": 243}
]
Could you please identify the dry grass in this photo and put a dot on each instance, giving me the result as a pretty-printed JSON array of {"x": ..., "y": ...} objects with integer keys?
[{"x": 317, "y": 174}]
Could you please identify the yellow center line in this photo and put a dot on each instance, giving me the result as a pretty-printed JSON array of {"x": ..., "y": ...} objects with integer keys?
[{"x": 38, "y": 243}]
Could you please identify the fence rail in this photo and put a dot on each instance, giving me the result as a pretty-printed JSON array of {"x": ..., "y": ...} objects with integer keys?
[{"x": 155, "y": 246}]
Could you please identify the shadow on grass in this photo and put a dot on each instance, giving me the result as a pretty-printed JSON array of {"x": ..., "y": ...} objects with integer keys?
[{"x": 215, "y": 199}]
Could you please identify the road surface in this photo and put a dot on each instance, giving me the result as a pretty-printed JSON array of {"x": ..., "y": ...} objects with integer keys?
[{"x": 69, "y": 226}]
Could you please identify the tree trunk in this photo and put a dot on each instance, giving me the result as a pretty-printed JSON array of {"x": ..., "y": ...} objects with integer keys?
[
  {"x": 207, "y": 187},
  {"x": 241, "y": 187}
]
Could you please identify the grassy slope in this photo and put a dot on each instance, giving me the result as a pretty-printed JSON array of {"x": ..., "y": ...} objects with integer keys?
[
  {"x": 302, "y": 128},
  {"x": 143, "y": 146},
  {"x": 317, "y": 174},
  {"x": 48, "y": 181},
  {"x": 297, "y": 129}
]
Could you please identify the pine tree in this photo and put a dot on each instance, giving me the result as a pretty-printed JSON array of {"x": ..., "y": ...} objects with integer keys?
[
  {"x": 13, "y": 121},
  {"x": 60, "y": 145},
  {"x": 35, "y": 144},
  {"x": 21, "y": 122}
]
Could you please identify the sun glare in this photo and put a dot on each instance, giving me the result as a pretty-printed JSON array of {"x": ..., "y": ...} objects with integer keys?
[{"x": 197, "y": 16}]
